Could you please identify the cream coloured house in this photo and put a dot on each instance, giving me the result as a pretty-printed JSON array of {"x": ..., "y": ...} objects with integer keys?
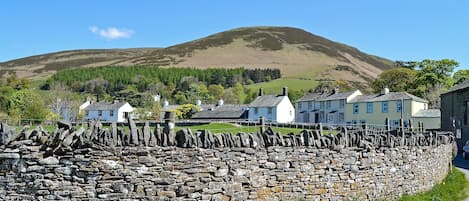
[{"x": 373, "y": 109}]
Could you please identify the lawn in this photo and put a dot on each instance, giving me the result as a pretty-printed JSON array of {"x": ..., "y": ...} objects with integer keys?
[
  {"x": 234, "y": 128},
  {"x": 453, "y": 188}
]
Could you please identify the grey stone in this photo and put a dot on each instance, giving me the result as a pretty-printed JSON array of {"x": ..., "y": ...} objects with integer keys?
[{"x": 51, "y": 160}]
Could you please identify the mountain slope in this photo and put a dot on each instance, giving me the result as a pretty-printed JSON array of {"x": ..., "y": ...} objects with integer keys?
[{"x": 297, "y": 53}]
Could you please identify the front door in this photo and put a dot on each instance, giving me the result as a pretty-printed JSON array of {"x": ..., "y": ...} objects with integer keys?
[{"x": 316, "y": 117}]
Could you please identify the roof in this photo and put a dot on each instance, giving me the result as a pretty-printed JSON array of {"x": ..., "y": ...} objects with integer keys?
[
  {"x": 325, "y": 96},
  {"x": 105, "y": 106},
  {"x": 428, "y": 113},
  {"x": 458, "y": 87},
  {"x": 170, "y": 107},
  {"x": 337, "y": 96},
  {"x": 222, "y": 112},
  {"x": 267, "y": 101},
  {"x": 387, "y": 97}
]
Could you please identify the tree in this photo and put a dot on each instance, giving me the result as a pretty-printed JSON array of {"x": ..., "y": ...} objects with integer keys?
[
  {"x": 294, "y": 95},
  {"x": 26, "y": 104},
  {"x": 460, "y": 76},
  {"x": 434, "y": 72},
  {"x": 238, "y": 90},
  {"x": 216, "y": 91},
  {"x": 396, "y": 79},
  {"x": 186, "y": 111}
]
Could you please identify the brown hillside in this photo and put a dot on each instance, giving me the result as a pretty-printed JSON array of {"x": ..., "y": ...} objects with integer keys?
[{"x": 296, "y": 52}]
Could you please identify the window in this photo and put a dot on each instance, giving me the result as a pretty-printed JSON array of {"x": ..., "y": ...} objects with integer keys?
[
  {"x": 369, "y": 107},
  {"x": 310, "y": 105},
  {"x": 341, "y": 103},
  {"x": 341, "y": 117},
  {"x": 300, "y": 105},
  {"x": 100, "y": 113},
  {"x": 256, "y": 110},
  {"x": 328, "y": 104},
  {"x": 330, "y": 118},
  {"x": 362, "y": 121},
  {"x": 354, "y": 121},
  {"x": 356, "y": 108},
  {"x": 384, "y": 107},
  {"x": 269, "y": 110},
  {"x": 321, "y": 116},
  {"x": 399, "y": 106},
  {"x": 111, "y": 113},
  {"x": 321, "y": 104}
]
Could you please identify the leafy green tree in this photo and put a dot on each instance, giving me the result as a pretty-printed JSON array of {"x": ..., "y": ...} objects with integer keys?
[
  {"x": 180, "y": 97},
  {"x": 238, "y": 91},
  {"x": 396, "y": 79},
  {"x": 460, "y": 76},
  {"x": 186, "y": 111},
  {"x": 26, "y": 104},
  {"x": 216, "y": 92},
  {"x": 294, "y": 95},
  {"x": 433, "y": 72}
]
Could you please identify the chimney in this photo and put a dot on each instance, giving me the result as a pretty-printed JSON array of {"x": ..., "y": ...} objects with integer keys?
[
  {"x": 220, "y": 102},
  {"x": 385, "y": 91},
  {"x": 336, "y": 90},
  {"x": 261, "y": 92},
  {"x": 285, "y": 91}
]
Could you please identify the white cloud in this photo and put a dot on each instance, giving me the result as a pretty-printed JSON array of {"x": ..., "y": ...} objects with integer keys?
[{"x": 112, "y": 32}]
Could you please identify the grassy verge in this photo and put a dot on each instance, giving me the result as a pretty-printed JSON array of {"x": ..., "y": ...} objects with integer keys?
[
  {"x": 453, "y": 188},
  {"x": 232, "y": 128}
]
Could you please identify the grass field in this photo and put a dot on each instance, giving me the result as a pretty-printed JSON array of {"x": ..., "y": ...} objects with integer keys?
[
  {"x": 275, "y": 86},
  {"x": 453, "y": 188},
  {"x": 233, "y": 128}
]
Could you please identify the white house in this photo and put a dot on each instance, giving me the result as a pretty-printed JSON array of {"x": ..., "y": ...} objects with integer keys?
[
  {"x": 324, "y": 107},
  {"x": 274, "y": 108},
  {"x": 109, "y": 112}
]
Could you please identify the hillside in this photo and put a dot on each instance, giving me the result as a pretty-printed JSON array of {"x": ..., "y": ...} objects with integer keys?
[{"x": 297, "y": 53}]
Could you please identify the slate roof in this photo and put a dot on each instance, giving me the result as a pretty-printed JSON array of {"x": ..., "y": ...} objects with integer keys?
[
  {"x": 387, "y": 97},
  {"x": 325, "y": 96},
  {"x": 458, "y": 87},
  {"x": 428, "y": 113},
  {"x": 336, "y": 96},
  {"x": 222, "y": 112},
  {"x": 266, "y": 101},
  {"x": 105, "y": 106}
]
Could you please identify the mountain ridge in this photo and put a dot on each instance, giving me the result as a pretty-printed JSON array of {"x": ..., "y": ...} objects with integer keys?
[{"x": 296, "y": 52}]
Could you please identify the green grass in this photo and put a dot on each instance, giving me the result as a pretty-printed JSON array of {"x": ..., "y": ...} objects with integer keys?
[
  {"x": 453, "y": 188},
  {"x": 232, "y": 128},
  {"x": 275, "y": 86}
]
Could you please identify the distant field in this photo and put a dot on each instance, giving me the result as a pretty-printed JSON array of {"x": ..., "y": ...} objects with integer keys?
[
  {"x": 233, "y": 128},
  {"x": 275, "y": 86}
]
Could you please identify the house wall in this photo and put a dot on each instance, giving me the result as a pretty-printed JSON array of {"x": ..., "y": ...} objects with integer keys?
[
  {"x": 377, "y": 117},
  {"x": 428, "y": 122},
  {"x": 125, "y": 108},
  {"x": 453, "y": 110},
  {"x": 285, "y": 112},
  {"x": 264, "y": 112},
  {"x": 94, "y": 114}
]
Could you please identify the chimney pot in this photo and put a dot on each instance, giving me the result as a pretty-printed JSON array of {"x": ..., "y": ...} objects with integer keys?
[
  {"x": 261, "y": 92},
  {"x": 285, "y": 91}
]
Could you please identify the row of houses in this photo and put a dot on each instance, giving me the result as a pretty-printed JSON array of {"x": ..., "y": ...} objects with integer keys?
[
  {"x": 337, "y": 108},
  {"x": 345, "y": 108}
]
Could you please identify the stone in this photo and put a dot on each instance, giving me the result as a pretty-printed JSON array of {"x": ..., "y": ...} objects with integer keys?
[
  {"x": 51, "y": 160},
  {"x": 222, "y": 172},
  {"x": 146, "y": 133},
  {"x": 133, "y": 133}
]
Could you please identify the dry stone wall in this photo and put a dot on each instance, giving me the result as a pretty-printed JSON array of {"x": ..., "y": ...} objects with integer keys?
[{"x": 146, "y": 163}]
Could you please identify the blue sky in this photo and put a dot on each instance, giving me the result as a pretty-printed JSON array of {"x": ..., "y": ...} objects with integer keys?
[{"x": 397, "y": 30}]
